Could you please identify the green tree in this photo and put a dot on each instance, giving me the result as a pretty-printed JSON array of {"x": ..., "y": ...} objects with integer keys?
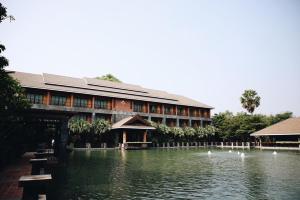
[
  {"x": 200, "y": 132},
  {"x": 240, "y": 126},
  {"x": 163, "y": 129},
  {"x": 109, "y": 77},
  {"x": 79, "y": 126},
  {"x": 250, "y": 100},
  {"x": 13, "y": 103},
  {"x": 189, "y": 133},
  {"x": 177, "y": 133},
  {"x": 101, "y": 126}
]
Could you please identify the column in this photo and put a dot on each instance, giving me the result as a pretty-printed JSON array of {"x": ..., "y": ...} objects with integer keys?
[
  {"x": 93, "y": 116},
  {"x": 48, "y": 98},
  {"x": 164, "y": 120},
  {"x": 177, "y": 122},
  {"x": 201, "y": 123},
  {"x": 93, "y": 102},
  {"x": 145, "y": 136},
  {"x": 260, "y": 145},
  {"x": 72, "y": 100},
  {"x": 190, "y": 123},
  {"x": 124, "y": 136}
]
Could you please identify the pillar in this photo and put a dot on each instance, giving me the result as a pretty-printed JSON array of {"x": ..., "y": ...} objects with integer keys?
[
  {"x": 48, "y": 98},
  {"x": 260, "y": 145},
  {"x": 93, "y": 116},
  {"x": 145, "y": 137},
  {"x": 177, "y": 122},
  {"x": 124, "y": 137},
  {"x": 164, "y": 120},
  {"x": 72, "y": 100},
  {"x": 93, "y": 102},
  {"x": 149, "y": 118},
  {"x": 190, "y": 123},
  {"x": 201, "y": 123}
]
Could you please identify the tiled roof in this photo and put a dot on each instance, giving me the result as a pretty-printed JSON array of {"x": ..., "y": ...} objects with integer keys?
[
  {"x": 92, "y": 86},
  {"x": 290, "y": 126},
  {"x": 132, "y": 122}
]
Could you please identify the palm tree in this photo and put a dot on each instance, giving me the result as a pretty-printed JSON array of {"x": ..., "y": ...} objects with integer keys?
[{"x": 250, "y": 100}]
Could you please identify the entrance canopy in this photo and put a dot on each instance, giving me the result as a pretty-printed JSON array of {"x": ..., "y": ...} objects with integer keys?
[{"x": 133, "y": 122}]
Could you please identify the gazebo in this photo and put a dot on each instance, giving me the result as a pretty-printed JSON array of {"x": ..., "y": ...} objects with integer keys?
[{"x": 132, "y": 132}]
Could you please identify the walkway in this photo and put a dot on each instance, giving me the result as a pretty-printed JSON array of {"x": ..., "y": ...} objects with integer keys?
[{"x": 9, "y": 177}]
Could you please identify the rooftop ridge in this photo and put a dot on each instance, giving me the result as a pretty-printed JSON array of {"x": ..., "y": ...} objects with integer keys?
[{"x": 86, "y": 85}]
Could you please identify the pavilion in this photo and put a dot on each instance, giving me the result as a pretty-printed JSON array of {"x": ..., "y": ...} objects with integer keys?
[
  {"x": 282, "y": 134},
  {"x": 132, "y": 132}
]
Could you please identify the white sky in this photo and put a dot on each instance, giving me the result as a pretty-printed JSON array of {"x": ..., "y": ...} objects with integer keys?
[{"x": 210, "y": 51}]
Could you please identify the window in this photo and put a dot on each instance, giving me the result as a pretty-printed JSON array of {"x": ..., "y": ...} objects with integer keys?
[
  {"x": 58, "y": 100},
  {"x": 101, "y": 104},
  {"x": 138, "y": 107},
  {"x": 35, "y": 98},
  {"x": 153, "y": 109},
  {"x": 181, "y": 111},
  {"x": 167, "y": 110},
  {"x": 80, "y": 102}
]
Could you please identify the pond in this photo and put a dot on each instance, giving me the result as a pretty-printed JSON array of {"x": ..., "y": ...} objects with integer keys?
[{"x": 178, "y": 174}]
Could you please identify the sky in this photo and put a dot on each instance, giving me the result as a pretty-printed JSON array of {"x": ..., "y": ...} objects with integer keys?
[{"x": 208, "y": 50}]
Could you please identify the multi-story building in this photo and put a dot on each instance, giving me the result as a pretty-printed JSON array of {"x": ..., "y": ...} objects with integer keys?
[{"x": 90, "y": 98}]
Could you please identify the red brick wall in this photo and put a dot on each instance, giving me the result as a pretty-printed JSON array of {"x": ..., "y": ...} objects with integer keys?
[{"x": 123, "y": 105}]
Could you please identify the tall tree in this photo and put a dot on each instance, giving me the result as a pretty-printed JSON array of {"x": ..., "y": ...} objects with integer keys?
[
  {"x": 250, "y": 100},
  {"x": 109, "y": 77},
  {"x": 12, "y": 104},
  {"x": 12, "y": 98}
]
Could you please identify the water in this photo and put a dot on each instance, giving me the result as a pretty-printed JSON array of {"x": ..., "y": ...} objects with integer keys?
[{"x": 178, "y": 174}]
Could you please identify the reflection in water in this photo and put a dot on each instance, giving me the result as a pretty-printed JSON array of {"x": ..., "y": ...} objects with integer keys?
[{"x": 178, "y": 173}]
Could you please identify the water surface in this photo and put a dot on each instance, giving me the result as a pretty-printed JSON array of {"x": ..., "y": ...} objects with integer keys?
[{"x": 178, "y": 174}]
